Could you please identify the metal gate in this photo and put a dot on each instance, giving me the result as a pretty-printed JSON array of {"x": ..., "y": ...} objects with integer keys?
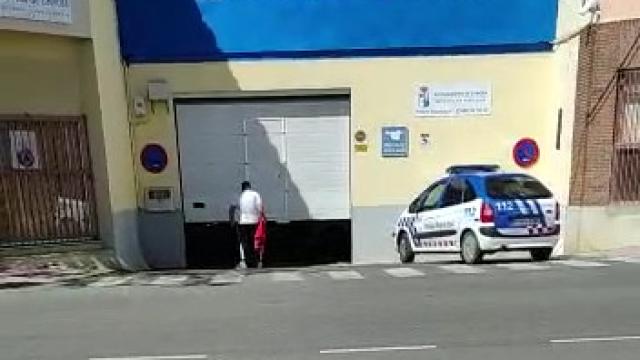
[
  {"x": 625, "y": 170},
  {"x": 46, "y": 183}
]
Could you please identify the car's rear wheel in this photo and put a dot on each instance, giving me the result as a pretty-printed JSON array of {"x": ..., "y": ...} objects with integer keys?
[
  {"x": 470, "y": 249},
  {"x": 404, "y": 249},
  {"x": 543, "y": 254}
]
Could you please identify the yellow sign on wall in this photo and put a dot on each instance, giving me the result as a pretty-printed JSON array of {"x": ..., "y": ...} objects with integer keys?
[{"x": 361, "y": 148}]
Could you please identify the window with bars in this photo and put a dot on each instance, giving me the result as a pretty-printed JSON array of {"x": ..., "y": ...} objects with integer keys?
[{"x": 625, "y": 171}]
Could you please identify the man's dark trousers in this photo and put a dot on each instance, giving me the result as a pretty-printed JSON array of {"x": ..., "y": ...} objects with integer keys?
[{"x": 246, "y": 233}]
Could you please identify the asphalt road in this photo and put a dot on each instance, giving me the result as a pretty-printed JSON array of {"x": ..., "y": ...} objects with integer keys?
[{"x": 563, "y": 312}]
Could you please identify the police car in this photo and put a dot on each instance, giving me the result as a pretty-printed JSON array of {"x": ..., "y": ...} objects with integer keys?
[{"x": 476, "y": 210}]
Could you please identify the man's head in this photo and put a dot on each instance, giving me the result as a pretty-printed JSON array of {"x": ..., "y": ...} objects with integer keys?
[{"x": 246, "y": 185}]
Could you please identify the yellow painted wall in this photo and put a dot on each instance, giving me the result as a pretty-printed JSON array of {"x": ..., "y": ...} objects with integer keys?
[
  {"x": 39, "y": 74},
  {"x": 382, "y": 93},
  {"x": 110, "y": 136},
  {"x": 47, "y": 74},
  {"x": 570, "y": 22}
]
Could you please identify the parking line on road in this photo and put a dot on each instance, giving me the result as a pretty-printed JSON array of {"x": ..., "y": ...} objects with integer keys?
[
  {"x": 594, "y": 339},
  {"x": 523, "y": 266},
  {"x": 286, "y": 276},
  {"x": 461, "y": 269},
  {"x": 376, "y": 349},
  {"x": 404, "y": 272},
  {"x": 345, "y": 275},
  {"x": 581, "y": 263},
  {"x": 166, "y": 357}
]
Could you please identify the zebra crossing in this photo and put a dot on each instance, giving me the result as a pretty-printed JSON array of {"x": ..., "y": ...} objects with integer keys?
[
  {"x": 404, "y": 272},
  {"x": 282, "y": 276},
  {"x": 413, "y": 271},
  {"x": 524, "y": 266},
  {"x": 462, "y": 269},
  {"x": 345, "y": 275}
]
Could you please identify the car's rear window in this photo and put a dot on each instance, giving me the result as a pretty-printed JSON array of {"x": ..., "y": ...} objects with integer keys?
[{"x": 505, "y": 187}]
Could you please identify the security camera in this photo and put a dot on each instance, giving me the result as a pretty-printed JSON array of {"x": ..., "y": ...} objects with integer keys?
[{"x": 590, "y": 7}]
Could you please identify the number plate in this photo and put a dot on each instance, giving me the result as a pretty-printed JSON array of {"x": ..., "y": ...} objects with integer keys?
[{"x": 525, "y": 222}]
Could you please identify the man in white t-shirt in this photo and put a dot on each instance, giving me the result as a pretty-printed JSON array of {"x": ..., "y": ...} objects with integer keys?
[{"x": 249, "y": 211}]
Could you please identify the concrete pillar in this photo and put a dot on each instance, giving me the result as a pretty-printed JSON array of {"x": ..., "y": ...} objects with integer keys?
[{"x": 105, "y": 104}]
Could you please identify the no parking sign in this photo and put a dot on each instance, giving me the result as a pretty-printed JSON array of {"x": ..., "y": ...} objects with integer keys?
[
  {"x": 24, "y": 150},
  {"x": 526, "y": 152}
]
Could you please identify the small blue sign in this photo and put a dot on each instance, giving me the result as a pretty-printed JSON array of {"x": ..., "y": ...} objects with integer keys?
[
  {"x": 395, "y": 141},
  {"x": 154, "y": 158}
]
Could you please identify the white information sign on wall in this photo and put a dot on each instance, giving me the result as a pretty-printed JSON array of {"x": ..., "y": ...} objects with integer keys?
[
  {"x": 24, "y": 150},
  {"x": 55, "y": 11},
  {"x": 458, "y": 99}
]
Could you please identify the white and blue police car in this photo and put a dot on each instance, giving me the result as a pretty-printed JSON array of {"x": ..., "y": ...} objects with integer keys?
[{"x": 476, "y": 210}]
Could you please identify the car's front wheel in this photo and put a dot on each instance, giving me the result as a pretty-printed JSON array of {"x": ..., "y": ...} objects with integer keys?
[
  {"x": 541, "y": 254},
  {"x": 404, "y": 249},
  {"x": 470, "y": 249}
]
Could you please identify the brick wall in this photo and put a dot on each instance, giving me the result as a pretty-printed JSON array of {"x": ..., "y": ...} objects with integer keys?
[{"x": 602, "y": 50}]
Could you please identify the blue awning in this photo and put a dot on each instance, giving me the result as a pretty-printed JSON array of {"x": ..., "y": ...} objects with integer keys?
[{"x": 205, "y": 30}]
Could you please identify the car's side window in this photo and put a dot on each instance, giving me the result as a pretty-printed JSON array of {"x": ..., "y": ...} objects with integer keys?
[
  {"x": 453, "y": 194},
  {"x": 458, "y": 191},
  {"x": 415, "y": 204},
  {"x": 433, "y": 197},
  {"x": 468, "y": 194}
]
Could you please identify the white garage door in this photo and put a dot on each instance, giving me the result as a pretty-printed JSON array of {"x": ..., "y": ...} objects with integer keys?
[{"x": 294, "y": 151}]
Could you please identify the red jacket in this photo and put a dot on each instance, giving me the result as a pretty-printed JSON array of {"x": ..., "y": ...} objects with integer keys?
[{"x": 260, "y": 238}]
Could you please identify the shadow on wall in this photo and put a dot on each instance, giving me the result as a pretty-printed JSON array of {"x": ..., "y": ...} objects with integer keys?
[
  {"x": 300, "y": 241},
  {"x": 177, "y": 27},
  {"x": 258, "y": 158},
  {"x": 186, "y": 38}
]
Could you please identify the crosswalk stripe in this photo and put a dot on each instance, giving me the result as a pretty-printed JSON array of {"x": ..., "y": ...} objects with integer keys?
[
  {"x": 394, "y": 272},
  {"x": 168, "y": 280},
  {"x": 461, "y": 269},
  {"x": 523, "y": 266},
  {"x": 226, "y": 279},
  {"x": 404, "y": 272},
  {"x": 629, "y": 260},
  {"x": 581, "y": 263},
  {"x": 345, "y": 275},
  {"x": 286, "y": 276},
  {"x": 110, "y": 281}
]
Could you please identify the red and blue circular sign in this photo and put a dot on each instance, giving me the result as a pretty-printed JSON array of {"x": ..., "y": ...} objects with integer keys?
[
  {"x": 526, "y": 152},
  {"x": 154, "y": 158}
]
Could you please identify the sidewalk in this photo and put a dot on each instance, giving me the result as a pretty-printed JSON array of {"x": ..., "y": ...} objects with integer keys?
[
  {"x": 31, "y": 270},
  {"x": 99, "y": 268},
  {"x": 622, "y": 252}
]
